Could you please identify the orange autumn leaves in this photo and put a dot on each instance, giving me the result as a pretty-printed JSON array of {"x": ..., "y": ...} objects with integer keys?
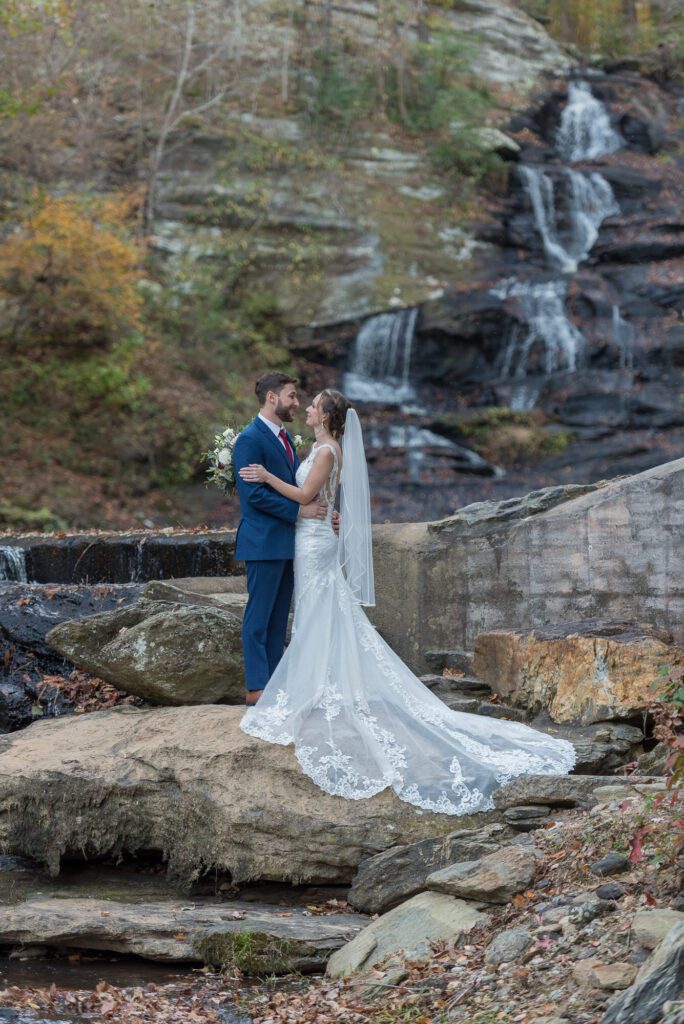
[{"x": 69, "y": 276}]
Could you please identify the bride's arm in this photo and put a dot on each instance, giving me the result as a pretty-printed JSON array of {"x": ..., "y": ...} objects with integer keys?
[{"x": 319, "y": 473}]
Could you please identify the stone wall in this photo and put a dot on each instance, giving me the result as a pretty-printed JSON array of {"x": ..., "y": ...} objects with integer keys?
[{"x": 612, "y": 551}]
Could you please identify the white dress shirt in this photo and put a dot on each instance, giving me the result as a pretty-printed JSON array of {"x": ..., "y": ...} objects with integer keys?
[{"x": 275, "y": 428}]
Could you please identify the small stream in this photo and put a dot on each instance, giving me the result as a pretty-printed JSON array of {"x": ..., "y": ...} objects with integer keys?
[{"x": 86, "y": 971}]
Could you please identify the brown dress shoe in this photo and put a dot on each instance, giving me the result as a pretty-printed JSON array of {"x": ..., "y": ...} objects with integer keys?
[{"x": 252, "y": 696}]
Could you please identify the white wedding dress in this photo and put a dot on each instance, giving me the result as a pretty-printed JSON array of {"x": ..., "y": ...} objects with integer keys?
[{"x": 360, "y": 720}]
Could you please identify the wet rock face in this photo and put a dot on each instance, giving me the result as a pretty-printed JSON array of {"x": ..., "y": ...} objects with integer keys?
[
  {"x": 27, "y": 613},
  {"x": 15, "y": 707},
  {"x": 125, "y": 558},
  {"x": 613, "y": 304}
]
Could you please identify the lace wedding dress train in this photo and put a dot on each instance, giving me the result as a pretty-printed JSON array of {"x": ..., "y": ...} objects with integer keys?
[{"x": 360, "y": 720}]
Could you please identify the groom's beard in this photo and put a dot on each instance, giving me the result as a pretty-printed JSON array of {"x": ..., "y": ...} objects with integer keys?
[{"x": 284, "y": 413}]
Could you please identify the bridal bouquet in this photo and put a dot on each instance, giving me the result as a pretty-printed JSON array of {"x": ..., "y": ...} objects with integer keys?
[{"x": 220, "y": 458}]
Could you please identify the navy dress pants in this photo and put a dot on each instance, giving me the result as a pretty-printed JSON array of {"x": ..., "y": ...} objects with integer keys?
[{"x": 269, "y": 585}]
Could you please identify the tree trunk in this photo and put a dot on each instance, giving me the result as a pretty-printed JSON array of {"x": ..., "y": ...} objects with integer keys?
[
  {"x": 169, "y": 116},
  {"x": 327, "y": 27}
]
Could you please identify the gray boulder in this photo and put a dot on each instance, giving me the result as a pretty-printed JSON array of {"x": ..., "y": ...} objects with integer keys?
[
  {"x": 411, "y": 928},
  {"x": 389, "y": 878},
  {"x": 602, "y": 746},
  {"x": 557, "y": 790},
  {"x": 650, "y": 927},
  {"x": 659, "y": 981},
  {"x": 187, "y": 782},
  {"x": 228, "y": 593},
  {"x": 165, "y": 653},
  {"x": 495, "y": 878},
  {"x": 508, "y": 946}
]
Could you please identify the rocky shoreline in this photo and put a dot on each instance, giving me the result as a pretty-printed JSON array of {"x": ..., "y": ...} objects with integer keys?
[{"x": 563, "y": 897}]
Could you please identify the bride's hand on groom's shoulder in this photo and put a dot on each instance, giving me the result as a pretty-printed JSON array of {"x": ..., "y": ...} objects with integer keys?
[{"x": 254, "y": 473}]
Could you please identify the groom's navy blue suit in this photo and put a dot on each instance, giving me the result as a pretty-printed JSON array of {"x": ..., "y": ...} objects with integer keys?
[{"x": 265, "y": 541}]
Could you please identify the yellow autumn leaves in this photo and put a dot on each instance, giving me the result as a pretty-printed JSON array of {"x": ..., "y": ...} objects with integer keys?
[{"x": 69, "y": 275}]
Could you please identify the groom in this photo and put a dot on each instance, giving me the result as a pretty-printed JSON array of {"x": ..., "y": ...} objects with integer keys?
[{"x": 265, "y": 537}]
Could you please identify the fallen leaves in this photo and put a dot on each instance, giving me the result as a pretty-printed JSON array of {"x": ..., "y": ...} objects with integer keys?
[{"x": 197, "y": 999}]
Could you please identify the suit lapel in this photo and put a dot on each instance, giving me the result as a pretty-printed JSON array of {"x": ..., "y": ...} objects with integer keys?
[{"x": 278, "y": 444}]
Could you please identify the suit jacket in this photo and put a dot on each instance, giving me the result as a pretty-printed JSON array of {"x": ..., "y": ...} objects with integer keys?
[{"x": 266, "y": 529}]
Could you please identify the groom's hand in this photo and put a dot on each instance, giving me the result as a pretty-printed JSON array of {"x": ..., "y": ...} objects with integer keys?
[
  {"x": 316, "y": 509},
  {"x": 336, "y": 522}
]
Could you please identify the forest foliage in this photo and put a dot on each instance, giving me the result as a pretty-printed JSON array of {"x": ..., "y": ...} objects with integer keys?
[
  {"x": 652, "y": 30},
  {"x": 94, "y": 97},
  {"x": 69, "y": 276}
]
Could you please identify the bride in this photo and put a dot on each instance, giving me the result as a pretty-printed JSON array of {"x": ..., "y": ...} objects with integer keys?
[{"x": 359, "y": 719}]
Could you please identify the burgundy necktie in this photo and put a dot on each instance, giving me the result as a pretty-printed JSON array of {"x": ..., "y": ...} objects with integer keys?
[{"x": 288, "y": 449}]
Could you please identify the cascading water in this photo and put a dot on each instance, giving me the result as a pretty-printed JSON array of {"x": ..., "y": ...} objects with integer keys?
[
  {"x": 381, "y": 362},
  {"x": 623, "y": 333},
  {"x": 589, "y": 200},
  {"x": 13, "y": 564},
  {"x": 568, "y": 210},
  {"x": 549, "y": 342},
  {"x": 585, "y": 131}
]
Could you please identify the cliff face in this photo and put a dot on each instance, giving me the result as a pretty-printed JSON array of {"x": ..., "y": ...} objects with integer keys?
[
  {"x": 357, "y": 218},
  {"x": 559, "y": 360}
]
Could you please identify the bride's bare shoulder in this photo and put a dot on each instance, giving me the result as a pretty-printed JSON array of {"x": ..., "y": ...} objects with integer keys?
[{"x": 331, "y": 446}]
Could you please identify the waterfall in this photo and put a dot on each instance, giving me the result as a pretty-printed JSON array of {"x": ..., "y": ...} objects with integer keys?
[
  {"x": 623, "y": 333},
  {"x": 549, "y": 342},
  {"x": 592, "y": 200},
  {"x": 589, "y": 201},
  {"x": 13, "y": 564},
  {"x": 585, "y": 131},
  {"x": 381, "y": 360},
  {"x": 568, "y": 211},
  {"x": 418, "y": 441}
]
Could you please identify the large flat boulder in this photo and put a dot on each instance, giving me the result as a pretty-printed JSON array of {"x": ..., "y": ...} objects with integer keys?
[
  {"x": 580, "y": 672},
  {"x": 189, "y": 783},
  {"x": 166, "y": 653},
  {"x": 257, "y": 938}
]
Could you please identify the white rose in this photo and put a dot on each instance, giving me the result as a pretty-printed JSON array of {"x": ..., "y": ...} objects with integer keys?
[
  {"x": 225, "y": 456},
  {"x": 298, "y": 440}
]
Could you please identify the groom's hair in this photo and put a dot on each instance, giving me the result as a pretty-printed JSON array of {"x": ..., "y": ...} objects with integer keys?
[{"x": 273, "y": 381}]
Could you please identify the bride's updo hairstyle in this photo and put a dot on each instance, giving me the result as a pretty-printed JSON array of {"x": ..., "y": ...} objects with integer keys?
[{"x": 333, "y": 405}]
